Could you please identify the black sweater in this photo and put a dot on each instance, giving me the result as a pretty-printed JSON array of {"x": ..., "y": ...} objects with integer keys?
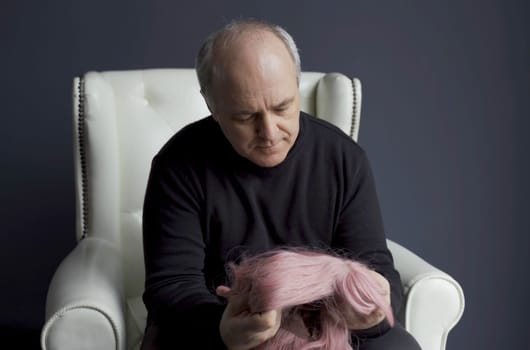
[{"x": 205, "y": 205}]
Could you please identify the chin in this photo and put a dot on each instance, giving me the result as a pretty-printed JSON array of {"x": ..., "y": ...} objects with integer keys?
[{"x": 268, "y": 161}]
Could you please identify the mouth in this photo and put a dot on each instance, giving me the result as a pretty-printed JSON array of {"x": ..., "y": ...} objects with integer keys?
[{"x": 269, "y": 148}]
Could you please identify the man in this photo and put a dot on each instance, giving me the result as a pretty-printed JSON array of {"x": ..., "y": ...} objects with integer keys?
[{"x": 255, "y": 175}]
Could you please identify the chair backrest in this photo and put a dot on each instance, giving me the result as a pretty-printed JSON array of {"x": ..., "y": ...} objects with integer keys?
[{"x": 122, "y": 118}]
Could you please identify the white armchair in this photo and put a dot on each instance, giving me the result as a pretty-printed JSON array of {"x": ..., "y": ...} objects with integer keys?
[{"x": 121, "y": 120}]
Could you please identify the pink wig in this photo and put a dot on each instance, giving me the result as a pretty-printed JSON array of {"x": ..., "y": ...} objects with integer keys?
[{"x": 312, "y": 289}]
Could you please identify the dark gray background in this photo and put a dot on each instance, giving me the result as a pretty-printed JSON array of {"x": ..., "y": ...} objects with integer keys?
[{"x": 444, "y": 122}]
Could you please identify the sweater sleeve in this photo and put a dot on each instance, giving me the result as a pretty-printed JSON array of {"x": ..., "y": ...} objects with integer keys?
[
  {"x": 176, "y": 295},
  {"x": 359, "y": 231}
]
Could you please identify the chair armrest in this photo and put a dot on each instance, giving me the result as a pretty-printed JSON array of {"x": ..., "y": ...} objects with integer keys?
[
  {"x": 434, "y": 301},
  {"x": 84, "y": 306}
]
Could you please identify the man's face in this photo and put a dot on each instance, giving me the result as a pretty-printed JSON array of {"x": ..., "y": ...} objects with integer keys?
[{"x": 254, "y": 97}]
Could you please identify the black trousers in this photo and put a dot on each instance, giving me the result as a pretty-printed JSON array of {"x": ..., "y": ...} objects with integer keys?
[{"x": 382, "y": 338}]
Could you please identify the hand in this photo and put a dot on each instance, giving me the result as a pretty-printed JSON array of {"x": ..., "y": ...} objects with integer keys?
[
  {"x": 240, "y": 328},
  {"x": 357, "y": 321}
]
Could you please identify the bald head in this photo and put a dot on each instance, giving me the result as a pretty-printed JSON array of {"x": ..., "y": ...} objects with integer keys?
[
  {"x": 228, "y": 41},
  {"x": 255, "y": 58}
]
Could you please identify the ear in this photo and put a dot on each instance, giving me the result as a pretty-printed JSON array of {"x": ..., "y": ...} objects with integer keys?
[{"x": 206, "y": 100}]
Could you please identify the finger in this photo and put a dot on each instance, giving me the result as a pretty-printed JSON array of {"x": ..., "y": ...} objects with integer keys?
[
  {"x": 259, "y": 338},
  {"x": 267, "y": 320},
  {"x": 266, "y": 326},
  {"x": 237, "y": 304},
  {"x": 223, "y": 291}
]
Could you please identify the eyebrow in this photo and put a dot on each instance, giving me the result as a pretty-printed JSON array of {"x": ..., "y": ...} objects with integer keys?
[
  {"x": 282, "y": 104},
  {"x": 285, "y": 102}
]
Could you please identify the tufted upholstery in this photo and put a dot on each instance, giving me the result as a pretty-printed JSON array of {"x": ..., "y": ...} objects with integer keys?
[{"x": 121, "y": 119}]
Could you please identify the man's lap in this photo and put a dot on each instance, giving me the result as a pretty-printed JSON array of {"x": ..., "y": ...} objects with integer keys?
[{"x": 395, "y": 338}]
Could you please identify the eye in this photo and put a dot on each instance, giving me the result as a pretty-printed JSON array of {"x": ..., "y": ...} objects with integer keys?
[
  {"x": 282, "y": 108},
  {"x": 243, "y": 117}
]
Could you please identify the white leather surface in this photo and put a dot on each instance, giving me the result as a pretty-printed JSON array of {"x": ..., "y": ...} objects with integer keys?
[
  {"x": 136, "y": 321},
  {"x": 434, "y": 301},
  {"x": 103, "y": 159},
  {"x": 80, "y": 328},
  {"x": 335, "y": 100},
  {"x": 85, "y": 296},
  {"x": 128, "y": 116}
]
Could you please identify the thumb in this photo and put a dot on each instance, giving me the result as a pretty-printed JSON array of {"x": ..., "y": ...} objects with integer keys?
[
  {"x": 237, "y": 303},
  {"x": 223, "y": 291}
]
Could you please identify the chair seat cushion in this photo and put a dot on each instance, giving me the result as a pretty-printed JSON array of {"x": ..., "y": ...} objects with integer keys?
[{"x": 136, "y": 321}]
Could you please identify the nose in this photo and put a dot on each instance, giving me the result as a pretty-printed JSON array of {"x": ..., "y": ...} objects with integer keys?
[{"x": 266, "y": 127}]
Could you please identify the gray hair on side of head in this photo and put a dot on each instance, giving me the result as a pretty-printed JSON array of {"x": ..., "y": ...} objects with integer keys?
[{"x": 204, "y": 65}]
